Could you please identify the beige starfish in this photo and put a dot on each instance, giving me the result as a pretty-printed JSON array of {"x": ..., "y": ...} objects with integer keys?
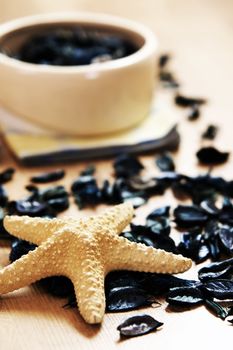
[{"x": 84, "y": 250}]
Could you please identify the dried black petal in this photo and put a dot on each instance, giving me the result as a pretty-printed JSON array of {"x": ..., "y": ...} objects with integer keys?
[
  {"x": 139, "y": 230},
  {"x": 157, "y": 213},
  {"x": 127, "y": 165},
  {"x": 226, "y": 238},
  {"x": 188, "y": 216},
  {"x": 184, "y": 296},
  {"x": 165, "y": 243},
  {"x": 217, "y": 309},
  {"x": 194, "y": 113},
  {"x": 182, "y": 189},
  {"x": 202, "y": 254},
  {"x": 226, "y": 215},
  {"x": 211, "y": 156},
  {"x": 89, "y": 197},
  {"x": 49, "y": 176},
  {"x": 210, "y": 133},
  {"x": 227, "y": 204},
  {"x": 165, "y": 162},
  {"x": 160, "y": 284},
  {"x": 131, "y": 237},
  {"x": 211, "y": 239},
  {"x": 82, "y": 182},
  {"x": 106, "y": 191},
  {"x": 58, "y": 204},
  {"x": 6, "y": 175},
  {"x": 35, "y": 192},
  {"x": 112, "y": 194},
  {"x": 138, "y": 325},
  {"x": 213, "y": 182},
  {"x": 220, "y": 289},
  {"x": 184, "y": 101},
  {"x": 52, "y": 193},
  {"x": 127, "y": 298},
  {"x": 163, "y": 60},
  {"x": 193, "y": 246},
  {"x": 89, "y": 171},
  {"x": 168, "y": 79},
  {"x": 209, "y": 207},
  {"x": 19, "y": 248},
  {"x": 159, "y": 188},
  {"x": 86, "y": 191},
  {"x": 123, "y": 278},
  {"x": 138, "y": 183},
  {"x": 159, "y": 224},
  {"x": 222, "y": 269},
  {"x": 211, "y": 230},
  {"x": 147, "y": 240},
  {"x": 205, "y": 187},
  {"x": 214, "y": 248}
]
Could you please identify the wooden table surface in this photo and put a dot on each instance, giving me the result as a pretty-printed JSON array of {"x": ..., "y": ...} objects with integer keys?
[{"x": 198, "y": 33}]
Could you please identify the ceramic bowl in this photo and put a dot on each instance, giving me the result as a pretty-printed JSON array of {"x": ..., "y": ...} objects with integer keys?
[{"x": 94, "y": 99}]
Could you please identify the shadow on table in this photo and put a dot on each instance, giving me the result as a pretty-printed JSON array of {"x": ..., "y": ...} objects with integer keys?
[{"x": 33, "y": 301}]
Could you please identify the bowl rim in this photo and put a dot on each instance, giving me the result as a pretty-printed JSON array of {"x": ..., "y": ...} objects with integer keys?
[{"x": 148, "y": 48}]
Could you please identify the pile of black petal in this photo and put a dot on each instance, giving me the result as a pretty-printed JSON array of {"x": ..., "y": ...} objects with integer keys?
[
  {"x": 74, "y": 47},
  {"x": 208, "y": 230},
  {"x": 127, "y": 290},
  {"x": 46, "y": 202},
  {"x": 128, "y": 185},
  {"x": 206, "y": 233}
]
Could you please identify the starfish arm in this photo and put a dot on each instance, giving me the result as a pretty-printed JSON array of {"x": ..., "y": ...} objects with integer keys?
[
  {"x": 28, "y": 269},
  {"x": 128, "y": 255},
  {"x": 115, "y": 219},
  {"x": 88, "y": 281},
  {"x": 34, "y": 230}
]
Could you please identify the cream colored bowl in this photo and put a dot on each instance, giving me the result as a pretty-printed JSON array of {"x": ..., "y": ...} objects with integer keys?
[{"x": 81, "y": 100}]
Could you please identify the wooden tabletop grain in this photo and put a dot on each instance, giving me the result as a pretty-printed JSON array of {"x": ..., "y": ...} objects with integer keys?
[{"x": 198, "y": 34}]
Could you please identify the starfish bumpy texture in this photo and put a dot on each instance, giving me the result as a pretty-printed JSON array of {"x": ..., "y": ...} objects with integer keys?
[{"x": 84, "y": 250}]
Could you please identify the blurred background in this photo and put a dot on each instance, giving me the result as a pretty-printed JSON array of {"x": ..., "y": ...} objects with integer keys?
[
  {"x": 195, "y": 28},
  {"x": 198, "y": 33}
]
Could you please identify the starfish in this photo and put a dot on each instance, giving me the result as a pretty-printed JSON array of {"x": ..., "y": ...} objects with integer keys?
[{"x": 84, "y": 250}]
